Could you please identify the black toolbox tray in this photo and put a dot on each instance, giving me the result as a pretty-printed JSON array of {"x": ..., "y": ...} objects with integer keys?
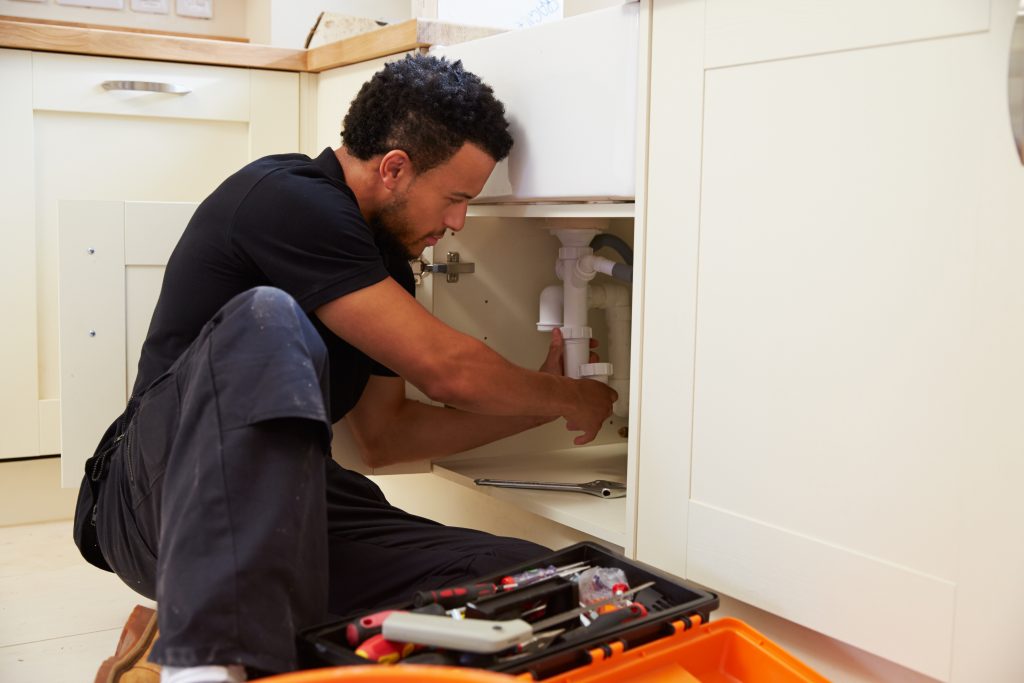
[{"x": 325, "y": 645}]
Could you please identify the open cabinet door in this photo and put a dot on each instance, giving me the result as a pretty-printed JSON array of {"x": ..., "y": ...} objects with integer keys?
[{"x": 112, "y": 259}]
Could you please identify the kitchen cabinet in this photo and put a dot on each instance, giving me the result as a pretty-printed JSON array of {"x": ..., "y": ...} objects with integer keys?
[
  {"x": 840, "y": 240},
  {"x": 507, "y": 238},
  {"x": 67, "y": 137}
]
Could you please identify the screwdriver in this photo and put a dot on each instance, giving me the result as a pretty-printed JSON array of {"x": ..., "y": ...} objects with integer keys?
[
  {"x": 479, "y": 635},
  {"x": 540, "y": 574},
  {"x": 363, "y": 628},
  {"x": 383, "y": 651},
  {"x": 457, "y": 596},
  {"x": 605, "y": 622}
]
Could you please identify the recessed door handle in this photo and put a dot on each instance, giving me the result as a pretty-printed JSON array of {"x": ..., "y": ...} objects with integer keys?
[
  {"x": 147, "y": 86},
  {"x": 1016, "y": 85}
]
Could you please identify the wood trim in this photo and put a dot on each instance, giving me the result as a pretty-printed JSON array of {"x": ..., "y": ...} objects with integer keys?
[
  {"x": 389, "y": 40},
  {"x": 47, "y": 38},
  {"x": 123, "y": 29}
]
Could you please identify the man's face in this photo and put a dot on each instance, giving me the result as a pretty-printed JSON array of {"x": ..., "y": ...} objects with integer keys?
[{"x": 434, "y": 201}]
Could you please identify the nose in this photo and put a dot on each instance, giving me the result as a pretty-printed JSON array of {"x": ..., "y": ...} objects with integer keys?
[{"x": 455, "y": 218}]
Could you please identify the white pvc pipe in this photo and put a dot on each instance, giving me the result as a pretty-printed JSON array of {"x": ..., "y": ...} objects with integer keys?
[
  {"x": 615, "y": 301},
  {"x": 575, "y": 332},
  {"x": 550, "y": 308},
  {"x": 589, "y": 264}
]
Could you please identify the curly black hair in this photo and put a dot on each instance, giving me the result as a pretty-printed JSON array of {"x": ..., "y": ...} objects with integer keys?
[{"x": 427, "y": 107}]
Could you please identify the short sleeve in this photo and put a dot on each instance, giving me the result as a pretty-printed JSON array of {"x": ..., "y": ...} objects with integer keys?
[{"x": 306, "y": 236}]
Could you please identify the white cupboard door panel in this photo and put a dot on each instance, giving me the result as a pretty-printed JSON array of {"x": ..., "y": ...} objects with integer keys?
[
  {"x": 274, "y": 113},
  {"x": 92, "y": 329},
  {"x": 75, "y": 83},
  {"x": 19, "y": 370},
  {"x": 796, "y": 576},
  {"x": 837, "y": 259},
  {"x": 114, "y": 158},
  {"x": 669, "y": 266},
  {"x": 744, "y": 31},
  {"x": 151, "y": 231}
]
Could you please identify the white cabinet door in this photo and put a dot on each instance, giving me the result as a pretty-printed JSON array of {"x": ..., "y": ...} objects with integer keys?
[
  {"x": 855, "y": 340},
  {"x": 837, "y": 254},
  {"x": 91, "y": 143},
  {"x": 19, "y": 369}
]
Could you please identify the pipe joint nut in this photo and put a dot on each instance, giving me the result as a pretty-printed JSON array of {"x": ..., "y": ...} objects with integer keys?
[{"x": 577, "y": 333}]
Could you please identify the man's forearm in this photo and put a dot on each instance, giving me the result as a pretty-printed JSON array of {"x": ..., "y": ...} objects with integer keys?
[{"x": 422, "y": 432}]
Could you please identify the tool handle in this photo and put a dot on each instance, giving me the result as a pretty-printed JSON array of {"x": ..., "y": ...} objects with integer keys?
[
  {"x": 364, "y": 628},
  {"x": 383, "y": 650},
  {"x": 467, "y": 635},
  {"x": 604, "y": 623},
  {"x": 456, "y": 596}
]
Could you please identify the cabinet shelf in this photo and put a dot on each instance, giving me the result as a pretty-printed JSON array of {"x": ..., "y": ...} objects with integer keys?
[
  {"x": 604, "y": 519},
  {"x": 610, "y": 209}
]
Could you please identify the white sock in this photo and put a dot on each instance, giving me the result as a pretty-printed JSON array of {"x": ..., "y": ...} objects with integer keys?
[{"x": 212, "y": 673}]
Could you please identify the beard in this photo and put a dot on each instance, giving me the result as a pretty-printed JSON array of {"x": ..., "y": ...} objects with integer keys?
[{"x": 392, "y": 230}]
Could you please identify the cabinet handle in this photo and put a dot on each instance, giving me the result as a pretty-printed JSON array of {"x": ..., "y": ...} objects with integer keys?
[
  {"x": 147, "y": 86},
  {"x": 1016, "y": 85}
]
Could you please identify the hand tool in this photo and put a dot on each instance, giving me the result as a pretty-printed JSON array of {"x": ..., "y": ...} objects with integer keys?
[
  {"x": 605, "y": 622},
  {"x": 557, "y": 594},
  {"x": 456, "y": 596},
  {"x": 478, "y": 635},
  {"x": 540, "y": 574},
  {"x": 384, "y": 651},
  {"x": 365, "y": 627},
  {"x": 599, "y": 487}
]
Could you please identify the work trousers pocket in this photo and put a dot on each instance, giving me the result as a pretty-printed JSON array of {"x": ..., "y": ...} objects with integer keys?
[{"x": 150, "y": 436}]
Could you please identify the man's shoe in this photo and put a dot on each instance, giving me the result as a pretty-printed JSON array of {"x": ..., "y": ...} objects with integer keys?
[{"x": 130, "y": 661}]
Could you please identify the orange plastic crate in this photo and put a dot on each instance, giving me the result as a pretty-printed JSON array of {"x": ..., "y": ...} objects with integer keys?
[{"x": 723, "y": 651}]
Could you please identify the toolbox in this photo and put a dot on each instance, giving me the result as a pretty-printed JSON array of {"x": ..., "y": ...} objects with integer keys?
[{"x": 672, "y": 625}]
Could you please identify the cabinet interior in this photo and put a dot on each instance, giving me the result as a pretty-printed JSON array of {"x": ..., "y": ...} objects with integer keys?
[{"x": 514, "y": 259}]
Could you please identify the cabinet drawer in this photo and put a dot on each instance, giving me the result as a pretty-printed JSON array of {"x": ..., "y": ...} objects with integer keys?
[{"x": 75, "y": 84}]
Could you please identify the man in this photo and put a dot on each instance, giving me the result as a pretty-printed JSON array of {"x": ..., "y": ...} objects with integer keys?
[{"x": 287, "y": 305}]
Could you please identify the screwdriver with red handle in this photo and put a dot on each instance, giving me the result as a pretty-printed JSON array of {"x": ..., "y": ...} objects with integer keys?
[
  {"x": 362, "y": 629},
  {"x": 457, "y": 596}
]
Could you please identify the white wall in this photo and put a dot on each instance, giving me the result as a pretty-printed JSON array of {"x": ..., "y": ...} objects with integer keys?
[{"x": 228, "y": 17}]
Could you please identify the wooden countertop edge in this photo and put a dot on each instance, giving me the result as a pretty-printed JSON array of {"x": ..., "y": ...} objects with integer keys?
[
  {"x": 389, "y": 40},
  {"x": 87, "y": 41}
]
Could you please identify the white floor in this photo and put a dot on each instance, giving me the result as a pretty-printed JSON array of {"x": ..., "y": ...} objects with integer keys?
[{"x": 59, "y": 616}]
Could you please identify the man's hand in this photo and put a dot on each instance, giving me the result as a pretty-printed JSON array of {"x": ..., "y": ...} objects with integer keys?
[
  {"x": 591, "y": 410},
  {"x": 594, "y": 404},
  {"x": 554, "y": 364}
]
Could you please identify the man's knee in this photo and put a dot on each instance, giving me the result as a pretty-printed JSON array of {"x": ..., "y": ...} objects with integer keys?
[
  {"x": 270, "y": 317},
  {"x": 268, "y": 359}
]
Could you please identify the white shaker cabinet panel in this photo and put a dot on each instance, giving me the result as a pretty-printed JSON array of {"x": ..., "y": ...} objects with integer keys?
[
  {"x": 744, "y": 31},
  {"x": 19, "y": 369},
  {"x": 93, "y": 143},
  {"x": 837, "y": 259}
]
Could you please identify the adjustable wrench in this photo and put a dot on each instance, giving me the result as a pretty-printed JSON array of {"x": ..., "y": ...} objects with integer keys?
[{"x": 599, "y": 487}]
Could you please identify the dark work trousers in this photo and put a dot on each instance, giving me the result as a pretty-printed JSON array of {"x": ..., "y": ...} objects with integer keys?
[{"x": 221, "y": 501}]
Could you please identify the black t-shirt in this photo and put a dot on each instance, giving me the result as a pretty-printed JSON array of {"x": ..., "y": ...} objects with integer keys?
[{"x": 287, "y": 221}]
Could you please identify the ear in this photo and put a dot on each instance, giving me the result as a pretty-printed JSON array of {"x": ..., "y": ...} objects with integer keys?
[{"x": 395, "y": 168}]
